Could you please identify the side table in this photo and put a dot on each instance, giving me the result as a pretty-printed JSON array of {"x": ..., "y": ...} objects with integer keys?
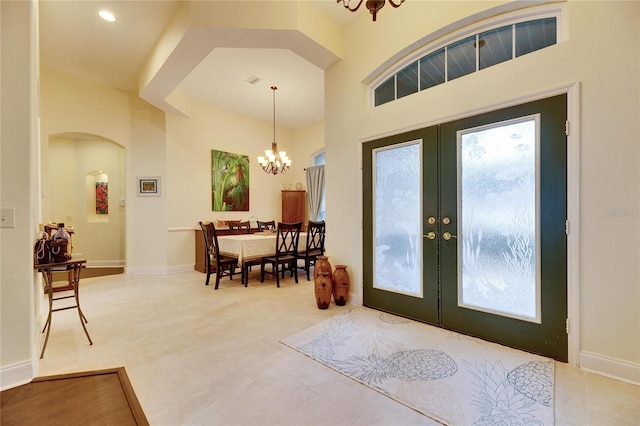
[{"x": 74, "y": 266}]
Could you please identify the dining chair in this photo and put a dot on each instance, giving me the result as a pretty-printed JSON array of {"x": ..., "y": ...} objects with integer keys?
[
  {"x": 215, "y": 262},
  {"x": 314, "y": 246},
  {"x": 240, "y": 227},
  {"x": 269, "y": 225},
  {"x": 284, "y": 258}
]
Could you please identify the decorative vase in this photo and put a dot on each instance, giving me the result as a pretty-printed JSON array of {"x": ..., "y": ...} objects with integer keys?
[
  {"x": 341, "y": 283},
  {"x": 322, "y": 283},
  {"x": 322, "y": 265},
  {"x": 60, "y": 244}
]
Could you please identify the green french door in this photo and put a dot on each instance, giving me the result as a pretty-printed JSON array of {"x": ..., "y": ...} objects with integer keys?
[{"x": 464, "y": 226}]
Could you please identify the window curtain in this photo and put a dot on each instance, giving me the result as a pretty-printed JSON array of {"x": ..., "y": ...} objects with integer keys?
[{"x": 315, "y": 187}]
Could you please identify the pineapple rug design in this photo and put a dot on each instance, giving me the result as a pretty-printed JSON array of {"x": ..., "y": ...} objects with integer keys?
[{"x": 452, "y": 378}]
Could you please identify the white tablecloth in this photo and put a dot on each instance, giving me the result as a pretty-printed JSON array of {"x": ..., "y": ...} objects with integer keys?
[{"x": 252, "y": 246}]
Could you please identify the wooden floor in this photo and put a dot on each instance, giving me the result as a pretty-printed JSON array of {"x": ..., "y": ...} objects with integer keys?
[{"x": 94, "y": 397}]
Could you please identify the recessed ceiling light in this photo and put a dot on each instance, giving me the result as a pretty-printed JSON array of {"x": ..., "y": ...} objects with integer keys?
[{"x": 107, "y": 16}]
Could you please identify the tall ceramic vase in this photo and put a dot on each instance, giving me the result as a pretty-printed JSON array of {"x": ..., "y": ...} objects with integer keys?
[
  {"x": 341, "y": 283},
  {"x": 322, "y": 282},
  {"x": 322, "y": 265}
]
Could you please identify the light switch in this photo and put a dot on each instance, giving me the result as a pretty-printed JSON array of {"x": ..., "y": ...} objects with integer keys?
[{"x": 7, "y": 217}]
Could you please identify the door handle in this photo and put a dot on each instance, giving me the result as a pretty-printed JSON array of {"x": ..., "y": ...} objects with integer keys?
[
  {"x": 447, "y": 236},
  {"x": 431, "y": 235}
]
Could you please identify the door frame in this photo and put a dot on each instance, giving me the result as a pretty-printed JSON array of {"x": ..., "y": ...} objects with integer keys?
[{"x": 572, "y": 90}]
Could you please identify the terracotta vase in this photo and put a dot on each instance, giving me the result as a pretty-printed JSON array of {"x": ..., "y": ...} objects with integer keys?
[
  {"x": 341, "y": 283},
  {"x": 323, "y": 292},
  {"x": 322, "y": 265}
]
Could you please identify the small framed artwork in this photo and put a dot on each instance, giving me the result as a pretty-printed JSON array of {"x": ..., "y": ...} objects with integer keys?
[{"x": 149, "y": 186}]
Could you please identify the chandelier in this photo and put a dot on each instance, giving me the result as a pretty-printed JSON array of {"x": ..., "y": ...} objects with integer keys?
[
  {"x": 373, "y": 5},
  {"x": 274, "y": 161}
]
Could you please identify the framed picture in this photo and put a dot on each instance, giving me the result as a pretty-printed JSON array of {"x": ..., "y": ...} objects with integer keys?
[
  {"x": 149, "y": 186},
  {"x": 229, "y": 181}
]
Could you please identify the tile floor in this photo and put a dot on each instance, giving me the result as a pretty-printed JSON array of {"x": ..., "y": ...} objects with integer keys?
[{"x": 197, "y": 356}]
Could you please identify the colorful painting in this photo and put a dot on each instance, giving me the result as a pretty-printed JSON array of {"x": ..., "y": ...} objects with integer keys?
[
  {"x": 102, "y": 198},
  {"x": 229, "y": 181}
]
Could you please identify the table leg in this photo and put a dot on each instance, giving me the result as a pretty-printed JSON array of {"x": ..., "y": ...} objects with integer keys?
[
  {"x": 48, "y": 282},
  {"x": 76, "y": 292}
]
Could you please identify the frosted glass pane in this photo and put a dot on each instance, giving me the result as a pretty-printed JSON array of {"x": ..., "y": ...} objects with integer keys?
[
  {"x": 498, "y": 247},
  {"x": 397, "y": 207}
]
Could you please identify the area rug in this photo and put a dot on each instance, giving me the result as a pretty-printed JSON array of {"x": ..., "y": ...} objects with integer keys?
[{"x": 449, "y": 377}]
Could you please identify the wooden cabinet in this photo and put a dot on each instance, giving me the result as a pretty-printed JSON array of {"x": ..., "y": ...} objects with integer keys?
[{"x": 294, "y": 207}]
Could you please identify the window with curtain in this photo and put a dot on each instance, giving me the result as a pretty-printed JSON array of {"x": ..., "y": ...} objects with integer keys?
[{"x": 318, "y": 159}]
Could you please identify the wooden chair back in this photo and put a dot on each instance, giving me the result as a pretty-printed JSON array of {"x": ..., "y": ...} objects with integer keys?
[
  {"x": 240, "y": 227},
  {"x": 269, "y": 225}
]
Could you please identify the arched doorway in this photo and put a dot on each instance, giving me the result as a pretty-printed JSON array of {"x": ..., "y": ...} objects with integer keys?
[{"x": 84, "y": 187}]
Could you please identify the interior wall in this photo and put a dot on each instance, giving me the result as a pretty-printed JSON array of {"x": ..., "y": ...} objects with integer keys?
[
  {"x": 308, "y": 140},
  {"x": 602, "y": 55},
  {"x": 19, "y": 336},
  {"x": 189, "y": 144},
  {"x": 74, "y": 105},
  {"x": 100, "y": 238}
]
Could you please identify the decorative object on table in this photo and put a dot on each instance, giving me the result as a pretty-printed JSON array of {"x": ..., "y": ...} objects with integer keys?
[
  {"x": 299, "y": 186},
  {"x": 148, "y": 186},
  {"x": 452, "y": 378},
  {"x": 314, "y": 247},
  {"x": 341, "y": 284},
  {"x": 229, "y": 181},
  {"x": 274, "y": 161},
  {"x": 42, "y": 249},
  {"x": 374, "y": 6},
  {"x": 322, "y": 265},
  {"x": 322, "y": 289},
  {"x": 60, "y": 245}
]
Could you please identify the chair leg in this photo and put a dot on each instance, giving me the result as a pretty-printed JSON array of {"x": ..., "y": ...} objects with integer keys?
[
  {"x": 245, "y": 275},
  {"x": 307, "y": 267},
  {"x": 208, "y": 275},
  {"x": 294, "y": 271},
  {"x": 217, "y": 278},
  {"x": 278, "y": 275},
  {"x": 262, "y": 272}
]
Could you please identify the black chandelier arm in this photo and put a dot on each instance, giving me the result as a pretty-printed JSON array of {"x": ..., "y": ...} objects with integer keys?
[
  {"x": 392, "y": 3},
  {"x": 346, "y": 3}
]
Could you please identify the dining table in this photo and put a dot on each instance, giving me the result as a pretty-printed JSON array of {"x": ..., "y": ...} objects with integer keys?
[{"x": 250, "y": 247}]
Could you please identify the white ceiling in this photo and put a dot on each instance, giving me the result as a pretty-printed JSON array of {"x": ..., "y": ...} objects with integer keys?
[{"x": 75, "y": 40}]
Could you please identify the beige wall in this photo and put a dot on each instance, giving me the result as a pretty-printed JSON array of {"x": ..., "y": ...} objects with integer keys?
[
  {"x": 602, "y": 55},
  {"x": 19, "y": 337},
  {"x": 70, "y": 199},
  {"x": 189, "y": 144}
]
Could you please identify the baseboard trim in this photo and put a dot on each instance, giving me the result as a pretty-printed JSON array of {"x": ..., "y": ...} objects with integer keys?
[
  {"x": 610, "y": 367},
  {"x": 17, "y": 374},
  {"x": 160, "y": 270}
]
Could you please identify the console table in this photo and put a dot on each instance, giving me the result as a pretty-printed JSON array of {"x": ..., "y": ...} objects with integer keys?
[{"x": 74, "y": 266}]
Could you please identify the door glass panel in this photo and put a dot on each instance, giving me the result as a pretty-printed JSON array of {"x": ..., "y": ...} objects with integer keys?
[
  {"x": 497, "y": 205},
  {"x": 397, "y": 251}
]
